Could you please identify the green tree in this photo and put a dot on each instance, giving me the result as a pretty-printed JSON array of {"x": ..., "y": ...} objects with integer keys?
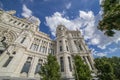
[
  {"x": 82, "y": 71},
  {"x": 115, "y": 62},
  {"x": 105, "y": 69},
  {"x": 50, "y": 70},
  {"x": 111, "y": 17}
]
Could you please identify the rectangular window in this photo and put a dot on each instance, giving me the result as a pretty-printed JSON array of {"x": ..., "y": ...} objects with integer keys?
[
  {"x": 80, "y": 47},
  {"x": 60, "y": 48},
  {"x": 45, "y": 49},
  {"x": 67, "y": 48},
  {"x": 52, "y": 51},
  {"x": 8, "y": 61},
  {"x": 19, "y": 23},
  {"x": 31, "y": 46},
  {"x": 37, "y": 70},
  {"x": 1, "y": 51},
  {"x": 62, "y": 64},
  {"x": 40, "y": 49},
  {"x": 23, "y": 25},
  {"x": 26, "y": 67},
  {"x": 36, "y": 47},
  {"x": 15, "y": 22},
  {"x": 70, "y": 66},
  {"x": 23, "y": 40},
  {"x": 10, "y": 20}
]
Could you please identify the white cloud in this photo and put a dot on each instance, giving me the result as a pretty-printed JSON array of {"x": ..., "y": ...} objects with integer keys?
[
  {"x": 27, "y": 13},
  {"x": 88, "y": 22},
  {"x": 101, "y": 54},
  {"x": 85, "y": 20},
  {"x": 100, "y": 2},
  {"x": 98, "y": 54},
  {"x": 57, "y": 18},
  {"x": 111, "y": 50},
  {"x": 68, "y": 5}
]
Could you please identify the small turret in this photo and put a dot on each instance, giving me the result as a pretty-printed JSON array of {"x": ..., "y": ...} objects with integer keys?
[
  {"x": 61, "y": 30},
  {"x": 11, "y": 12}
]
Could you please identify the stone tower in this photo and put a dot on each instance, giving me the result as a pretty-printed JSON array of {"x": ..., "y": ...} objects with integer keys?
[{"x": 70, "y": 43}]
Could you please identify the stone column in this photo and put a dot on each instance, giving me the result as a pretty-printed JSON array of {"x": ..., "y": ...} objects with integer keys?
[
  {"x": 30, "y": 43},
  {"x": 63, "y": 45},
  {"x": 67, "y": 71},
  {"x": 88, "y": 62},
  {"x": 39, "y": 45},
  {"x": 33, "y": 67},
  {"x": 21, "y": 60},
  {"x": 6, "y": 53},
  {"x": 47, "y": 48},
  {"x": 57, "y": 49},
  {"x": 91, "y": 61},
  {"x": 3, "y": 58}
]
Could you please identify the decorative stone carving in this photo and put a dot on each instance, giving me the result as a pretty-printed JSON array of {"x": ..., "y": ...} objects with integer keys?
[{"x": 11, "y": 12}]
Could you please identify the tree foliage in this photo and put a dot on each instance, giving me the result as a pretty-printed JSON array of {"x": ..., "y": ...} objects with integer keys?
[
  {"x": 108, "y": 68},
  {"x": 82, "y": 71},
  {"x": 111, "y": 17},
  {"x": 50, "y": 70}
]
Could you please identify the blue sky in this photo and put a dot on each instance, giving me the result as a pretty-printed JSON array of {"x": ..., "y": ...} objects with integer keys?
[{"x": 74, "y": 14}]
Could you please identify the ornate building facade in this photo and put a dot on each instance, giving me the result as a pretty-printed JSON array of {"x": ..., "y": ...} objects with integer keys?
[{"x": 24, "y": 49}]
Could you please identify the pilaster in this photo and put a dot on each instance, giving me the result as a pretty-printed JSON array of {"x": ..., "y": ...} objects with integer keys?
[{"x": 33, "y": 67}]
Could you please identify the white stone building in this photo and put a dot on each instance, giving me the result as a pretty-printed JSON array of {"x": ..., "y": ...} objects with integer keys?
[{"x": 23, "y": 48}]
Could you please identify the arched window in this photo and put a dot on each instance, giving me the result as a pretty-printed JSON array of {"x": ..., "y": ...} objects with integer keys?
[
  {"x": 27, "y": 65},
  {"x": 62, "y": 64},
  {"x": 37, "y": 70},
  {"x": 60, "y": 48},
  {"x": 70, "y": 66}
]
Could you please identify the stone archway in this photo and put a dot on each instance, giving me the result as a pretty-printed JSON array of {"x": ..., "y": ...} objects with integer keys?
[
  {"x": 6, "y": 38},
  {"x": 9, "y": 36}
]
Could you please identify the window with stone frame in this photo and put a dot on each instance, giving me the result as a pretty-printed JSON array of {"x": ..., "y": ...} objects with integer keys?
[
  {"x": 8, "y": 61},
  {"x": 67, "y": 46},
  {"x": 61, "y": 48},
  {"x": 61, "y": 64},
  {"x": 70, "y": 65},
  {"x": 80, "y": 47},
  {"x": 27, "y": 65},
  {"x": 22, "y": 41},
  {"x": 37, "y": 70}
]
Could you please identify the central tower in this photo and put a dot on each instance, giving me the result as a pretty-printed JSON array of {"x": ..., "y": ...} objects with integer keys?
[
  {"x": 69, "y": 43},
  {"x": 63, "y": 52}
]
